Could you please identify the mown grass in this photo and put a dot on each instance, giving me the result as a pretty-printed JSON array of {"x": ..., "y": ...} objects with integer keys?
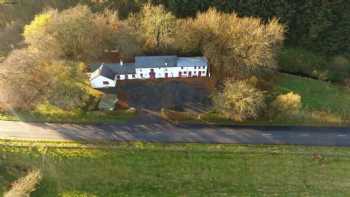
[{"x": 181, "y": 170}]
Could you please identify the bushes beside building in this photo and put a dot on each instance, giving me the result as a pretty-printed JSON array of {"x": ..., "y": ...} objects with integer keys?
[
  {"x": 239, "y": 100},
  {"x": 286, "y": 104}
]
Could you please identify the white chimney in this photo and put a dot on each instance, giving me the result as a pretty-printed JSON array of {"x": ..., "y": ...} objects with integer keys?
[{"x": 121, "y": 62}]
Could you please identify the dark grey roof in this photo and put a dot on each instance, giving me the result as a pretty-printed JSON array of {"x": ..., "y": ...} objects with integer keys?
[
  {"x": 106, "y": 72},
  {"x": 155, "y": 61},
  {"x": 110, "y": 70},
  {"x": 128, "y": 68},
  {"x": 192, "y": 61}
]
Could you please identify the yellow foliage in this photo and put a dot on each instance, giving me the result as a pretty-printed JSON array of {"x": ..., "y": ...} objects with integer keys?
[
  {"x": 36, "y": 26},
  {"x": 232, "y": 44},
  {"x": 289, "y": 103},
  {"x": 326, "y": 117},
  {"x": 239, "y": 101}
]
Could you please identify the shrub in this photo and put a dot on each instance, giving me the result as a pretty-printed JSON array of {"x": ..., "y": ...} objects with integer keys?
[
  {"x": 339, "y": 68},
  {"x": 301, "y": 61},
  {"x": 287, "y": 104},
  {"x": 239, "y": 100},
  {"x": 25, "y": 185},
  {"x": 341, "y": 62}
]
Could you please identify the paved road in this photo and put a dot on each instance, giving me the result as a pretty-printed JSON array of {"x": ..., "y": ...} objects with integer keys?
[{"x": 168, "y": 133}]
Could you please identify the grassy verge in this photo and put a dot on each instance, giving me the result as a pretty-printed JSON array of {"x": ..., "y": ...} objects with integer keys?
[
  {"x": 56, "y": 115},
  {"x": 50, "y": 113},
  {"x": 181, "y": 170},
  {"x": 323, "y": 104}
]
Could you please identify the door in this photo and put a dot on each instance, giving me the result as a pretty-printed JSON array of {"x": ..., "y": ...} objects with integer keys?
[
  {"x": 199, "y": 73},
  {"x": 180, "y": 73},
  {"x": 166, "y": 75},
  {"x": 152, "y": 74},
  {"x": 189, "y": 74}
]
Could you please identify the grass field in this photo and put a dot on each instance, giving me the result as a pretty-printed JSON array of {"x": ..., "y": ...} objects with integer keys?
[
  {"x": 181, "y": 170},
  {"x": 322, "y": 102},
  {"x": 317, "y": 95}
]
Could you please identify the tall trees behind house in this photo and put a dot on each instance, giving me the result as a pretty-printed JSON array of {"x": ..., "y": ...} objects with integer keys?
[
  {"x": 312, "y": 24},
  {"x": 156, "y": 27},
  {"x": 77, "y": 33},
  {"x": 233, "y": 45},
  {"x": 322, "y": 26}
]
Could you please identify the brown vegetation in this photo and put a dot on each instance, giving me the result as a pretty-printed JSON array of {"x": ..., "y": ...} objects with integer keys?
[
  {"x": 233, "y": 45},
  {"x": 25, "y": 185}
]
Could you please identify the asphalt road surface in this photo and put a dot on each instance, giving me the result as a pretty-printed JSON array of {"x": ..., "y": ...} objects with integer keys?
[{"x": 169, "y": 133}]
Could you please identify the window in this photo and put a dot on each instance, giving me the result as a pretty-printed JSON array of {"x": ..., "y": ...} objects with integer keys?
[
  {"x": 195, "y": 72},
  {"x": 133, "y": 75},
  {"x": 141, "y": 75},
  {"x": 118, "y": 77},
  {"x": 182, "y": 67},
  {"x": 195, "y": 67},
  {"x": 185, "y": 72},
  {"x": 105, "y": 83}
]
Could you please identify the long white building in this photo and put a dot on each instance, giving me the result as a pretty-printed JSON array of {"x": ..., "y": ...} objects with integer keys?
[{"x": 148, "y": 67}]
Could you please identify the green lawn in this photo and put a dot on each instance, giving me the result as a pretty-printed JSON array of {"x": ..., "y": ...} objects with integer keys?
[
  {"x": 182, "y": 170},
  {"x": 323, "y": 102},
  {"x": 317, "y": 95}
]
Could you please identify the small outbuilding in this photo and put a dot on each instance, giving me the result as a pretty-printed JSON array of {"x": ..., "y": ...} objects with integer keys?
[{"x": 103, "y": 77}]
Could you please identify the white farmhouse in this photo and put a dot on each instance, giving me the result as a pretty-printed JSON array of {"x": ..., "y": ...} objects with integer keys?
[{"x": 149, "y": 67}]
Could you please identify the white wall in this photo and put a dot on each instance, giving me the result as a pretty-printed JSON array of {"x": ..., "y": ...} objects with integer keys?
[
  {"x": 143, "y": 73},
  {"x": 173, "y": 72},
  {"x": 98, "y": 82},
  {"x": 123, "y": 76}
]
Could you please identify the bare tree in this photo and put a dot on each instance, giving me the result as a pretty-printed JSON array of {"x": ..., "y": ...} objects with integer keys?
[{"x": 156, "y": 26}]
